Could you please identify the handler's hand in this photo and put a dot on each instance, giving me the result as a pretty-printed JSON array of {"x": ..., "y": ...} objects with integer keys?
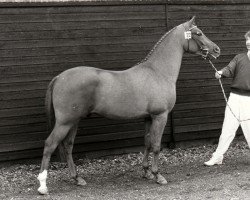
[{"x": 218, "y": 74}]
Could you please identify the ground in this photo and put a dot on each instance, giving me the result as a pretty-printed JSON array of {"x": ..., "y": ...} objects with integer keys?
[{"x": 120, "y": 177}]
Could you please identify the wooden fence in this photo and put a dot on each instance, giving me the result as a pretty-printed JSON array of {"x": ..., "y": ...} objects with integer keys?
[{"x": 39, "y": 40}]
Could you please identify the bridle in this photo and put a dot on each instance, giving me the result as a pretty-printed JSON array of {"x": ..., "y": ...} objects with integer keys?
[{"x": 189, "y": 35}]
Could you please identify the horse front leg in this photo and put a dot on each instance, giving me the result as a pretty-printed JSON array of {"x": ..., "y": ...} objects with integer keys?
[
  {"x": 147, "y": 172},
  {"x": 156, "y": 132}
]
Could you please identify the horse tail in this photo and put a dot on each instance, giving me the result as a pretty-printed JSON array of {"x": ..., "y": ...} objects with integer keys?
[
  {"x": 60, "y": 154},
  {"x": 49, "y": 104}
]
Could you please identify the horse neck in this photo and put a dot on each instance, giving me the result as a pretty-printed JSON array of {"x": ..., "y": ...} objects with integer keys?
[{"x": 166, "y": 58}]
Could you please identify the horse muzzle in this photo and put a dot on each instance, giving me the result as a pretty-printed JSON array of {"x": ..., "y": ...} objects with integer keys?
[{"x": 215, "y": 52}]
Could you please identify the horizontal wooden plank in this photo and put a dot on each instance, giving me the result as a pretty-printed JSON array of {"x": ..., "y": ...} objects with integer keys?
[
  {"x": 203, "y": 14},
  {"x": 97, "y": 121},
  {"x": 6, "y": 113},
  {"x": 22, "y": 95},
  {"x": 31, "y": 119},
  {"x": 200, "y": 97},
  {"x": 197, "y": 127},
  {"x": 25, "y": 154},
  {"x": 201, "y": 83},
  {"x": 189, "y": 136},
  {"x": 45, "y": 26},
  {"x": 20, "y": 103},
  {"x": 80, "y": 17},
  {"x": 201, "y": 90},
  {"x": 28, "y": 78},
  {"x": 202, "y": 75},
  {"x": 24, "y": 129},
  {"x": 198, "y": 112},
  {"x": 214, "y": 8},
  {"x": 77, "y": 33},
  {"x": 195, "y": 105},
  {"x": 82, "y": 9},
  {"x": 198, "y": 120},
  {"x": 22, "y": 138},
  {"x": 9, "y": 87},
  {"x": 21, "y": 146}
]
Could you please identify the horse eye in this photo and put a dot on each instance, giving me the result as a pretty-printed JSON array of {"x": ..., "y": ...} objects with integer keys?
[{"x": 199, "y": 33}]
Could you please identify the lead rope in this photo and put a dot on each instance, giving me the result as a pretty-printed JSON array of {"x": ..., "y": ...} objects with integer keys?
[{"x": 224, "y": 94}]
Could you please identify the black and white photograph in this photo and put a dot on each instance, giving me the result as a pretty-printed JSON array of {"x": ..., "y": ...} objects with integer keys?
[{"x": 124, "y": 99}]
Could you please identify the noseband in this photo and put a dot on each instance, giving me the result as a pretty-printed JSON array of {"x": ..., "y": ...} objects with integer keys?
[{"x": 188, "y": 36}]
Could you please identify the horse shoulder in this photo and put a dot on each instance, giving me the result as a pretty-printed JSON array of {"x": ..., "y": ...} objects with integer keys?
[{"x": 162, "y": 98}]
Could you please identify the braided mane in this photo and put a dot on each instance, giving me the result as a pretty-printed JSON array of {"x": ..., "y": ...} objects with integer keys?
[{"x": 155, "y": 46}]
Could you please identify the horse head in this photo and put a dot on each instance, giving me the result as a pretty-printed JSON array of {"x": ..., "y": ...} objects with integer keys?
[{"x": 197, "y": 42}]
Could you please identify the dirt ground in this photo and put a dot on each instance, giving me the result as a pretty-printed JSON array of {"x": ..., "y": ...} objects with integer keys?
[{"x": 120, "y": 177}]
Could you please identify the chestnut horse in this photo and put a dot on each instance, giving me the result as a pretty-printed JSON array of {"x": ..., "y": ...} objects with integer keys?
[{"x": 147, "y": 90}]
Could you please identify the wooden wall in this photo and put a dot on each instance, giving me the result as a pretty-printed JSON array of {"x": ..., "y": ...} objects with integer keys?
[{"x": 39, "y": 41}]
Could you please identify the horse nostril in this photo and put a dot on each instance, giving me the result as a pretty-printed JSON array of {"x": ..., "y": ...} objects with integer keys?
[{"x": 217, "y": 49}]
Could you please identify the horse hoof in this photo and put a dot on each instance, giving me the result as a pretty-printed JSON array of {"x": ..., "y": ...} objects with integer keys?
[
  {"x": 81, "y": 181},
  {"x": 149, "y": 175},
  {"x": 161, "y": 180},
  {"x": 43, "y": 190}
]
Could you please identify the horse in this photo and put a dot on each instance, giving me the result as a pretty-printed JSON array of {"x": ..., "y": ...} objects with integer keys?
[{"x": 146, "y": 90}]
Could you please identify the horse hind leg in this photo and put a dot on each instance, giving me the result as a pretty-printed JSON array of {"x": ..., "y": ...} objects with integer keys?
[
  {"x": 59, "y": 132},
  {"x": 68, "y": 143}
]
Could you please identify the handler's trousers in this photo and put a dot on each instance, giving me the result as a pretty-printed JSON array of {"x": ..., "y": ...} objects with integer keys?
[{"x": 240, "y": 105}]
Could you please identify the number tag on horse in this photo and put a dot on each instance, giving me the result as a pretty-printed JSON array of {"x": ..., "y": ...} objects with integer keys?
[{"x": 187, "y": 35}]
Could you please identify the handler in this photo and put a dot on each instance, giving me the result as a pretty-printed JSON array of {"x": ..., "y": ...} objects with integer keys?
[{"x": 239, "y": 102}]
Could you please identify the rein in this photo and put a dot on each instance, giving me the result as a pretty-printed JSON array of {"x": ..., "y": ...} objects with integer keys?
[{"x": 223, "y": 91}]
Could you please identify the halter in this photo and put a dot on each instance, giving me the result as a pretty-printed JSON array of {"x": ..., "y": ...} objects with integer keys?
[{"x": 188, "y": 36}]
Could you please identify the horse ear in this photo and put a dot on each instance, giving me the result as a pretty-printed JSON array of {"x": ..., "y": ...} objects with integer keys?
[{"x": 191, "y": 22}]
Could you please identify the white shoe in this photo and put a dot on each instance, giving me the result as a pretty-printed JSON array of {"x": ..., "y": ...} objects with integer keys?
[{"x": 214, "y": 161}]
